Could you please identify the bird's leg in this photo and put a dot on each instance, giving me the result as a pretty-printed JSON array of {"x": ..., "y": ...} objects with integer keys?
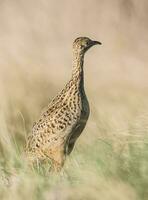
[
  {"x": 56, "y": 166},
  {"x": 58, "y": 160},
  {"x": 70, "y": 147}
]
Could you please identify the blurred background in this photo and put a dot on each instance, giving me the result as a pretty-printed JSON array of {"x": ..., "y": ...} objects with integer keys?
[
  {"x": 36, "y": 47},
  {"x": 36, "y": 61}
]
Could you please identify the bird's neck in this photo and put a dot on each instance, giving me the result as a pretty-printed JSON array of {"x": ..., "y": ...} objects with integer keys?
[{"x": 77, "y": 71}]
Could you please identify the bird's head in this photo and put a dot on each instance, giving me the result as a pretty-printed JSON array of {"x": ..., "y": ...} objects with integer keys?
[{"x": 82, "y": 44}]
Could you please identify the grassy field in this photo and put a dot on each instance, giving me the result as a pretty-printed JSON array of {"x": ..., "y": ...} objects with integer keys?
[{"x": 110, "y": 159}]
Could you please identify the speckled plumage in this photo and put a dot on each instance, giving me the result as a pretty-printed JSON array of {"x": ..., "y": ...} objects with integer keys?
[{"x": 54, "y": 134}]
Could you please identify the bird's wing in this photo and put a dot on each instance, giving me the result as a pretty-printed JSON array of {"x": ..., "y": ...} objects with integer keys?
[{"x": 52, "y": 106}]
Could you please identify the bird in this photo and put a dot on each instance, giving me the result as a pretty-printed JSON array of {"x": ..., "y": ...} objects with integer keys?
[{"x": 55, "y": 133}]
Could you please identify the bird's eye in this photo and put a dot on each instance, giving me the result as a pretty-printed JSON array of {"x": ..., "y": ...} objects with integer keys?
[{"x": 87, "y": 43}]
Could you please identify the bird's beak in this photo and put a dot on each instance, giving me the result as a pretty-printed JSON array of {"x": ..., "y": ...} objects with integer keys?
[{"x": 96, "y": 42}]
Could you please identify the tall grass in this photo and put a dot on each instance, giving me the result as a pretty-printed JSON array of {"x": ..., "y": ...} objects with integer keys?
[{"x": 110, "y": 160}]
